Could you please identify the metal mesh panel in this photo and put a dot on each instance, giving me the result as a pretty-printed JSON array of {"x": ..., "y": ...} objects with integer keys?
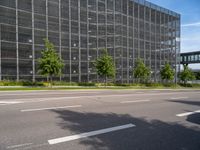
[
  {"x": 80, "y": 29},
  {"x": 8, "y": 33},
  {"x": 8, "y": 3},
  {"x": 25, "y": 5},
  {"x": 25, "y": 51},
  {"x": 24, "y": 19},
  {"x": 7, "y": 16},
  {"x": 8, "y": 50}
]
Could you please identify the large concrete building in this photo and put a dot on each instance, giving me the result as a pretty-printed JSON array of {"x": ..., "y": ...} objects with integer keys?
[{"x": 80, "y": 29}]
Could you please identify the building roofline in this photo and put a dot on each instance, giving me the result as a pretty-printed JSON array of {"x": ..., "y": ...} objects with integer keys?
[
  {"x": 194, "y": 52},
  {"x": 157, "y": 7}
]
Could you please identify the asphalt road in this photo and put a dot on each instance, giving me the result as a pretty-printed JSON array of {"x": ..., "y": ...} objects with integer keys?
[{"x": 100, "y": 120}]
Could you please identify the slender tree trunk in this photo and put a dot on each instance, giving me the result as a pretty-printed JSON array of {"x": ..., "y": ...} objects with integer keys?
[
  {"x": 48, "y": 80},
  {"x": 105, "y": 80},
  {"x": 51, "y": 80}
]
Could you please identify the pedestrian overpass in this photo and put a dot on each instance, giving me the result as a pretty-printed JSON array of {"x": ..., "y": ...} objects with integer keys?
[{"x": 190, "y": 57}]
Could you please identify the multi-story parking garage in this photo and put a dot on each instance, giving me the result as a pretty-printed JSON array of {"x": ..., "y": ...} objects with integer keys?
[{"x": 79, "y": 29}]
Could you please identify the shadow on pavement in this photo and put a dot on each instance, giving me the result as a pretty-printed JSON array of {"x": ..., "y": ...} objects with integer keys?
[
  {"x": 147, "y": 135},
  {"x": 194, "y": 118},
  {"x": 186, "y": 102}
]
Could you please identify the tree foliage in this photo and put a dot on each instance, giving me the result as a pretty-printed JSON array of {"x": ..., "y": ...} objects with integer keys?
[
  {"x": 141, "y": 71},
  {"x": 50, "y": 64},
  {"x": 187, "y": 74},
  {"x": 197, "y": 75},
  {"x": 167, "y": 73},
  {"x": 105, "y": 66}
]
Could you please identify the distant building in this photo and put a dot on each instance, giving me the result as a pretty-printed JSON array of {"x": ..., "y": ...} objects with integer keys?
[
  {"x": 128, "y": 29},
  {"x": 190, "y": 57}
]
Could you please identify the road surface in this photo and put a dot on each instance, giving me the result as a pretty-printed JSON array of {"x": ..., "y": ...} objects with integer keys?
[{"x": 100, "y": 120}]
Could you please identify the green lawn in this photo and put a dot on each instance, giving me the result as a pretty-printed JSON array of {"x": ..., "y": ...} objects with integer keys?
[{"x": 90, "y": 88}]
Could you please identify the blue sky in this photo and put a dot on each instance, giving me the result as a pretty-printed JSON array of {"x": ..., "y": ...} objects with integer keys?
[{"x": 190, "y": 21}]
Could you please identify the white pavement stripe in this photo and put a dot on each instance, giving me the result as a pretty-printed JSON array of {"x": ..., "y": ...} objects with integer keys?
[
  {"x": 35, "y": 100},
  {"x": 88, "y": 134},
  {"x": 135, "y": 101},
  {"x": 10, "y": 102},
  {"x": 84, "y": 96},
  {"x": 187, "y": 113},
  {"x": 50, "y": 108},
  {"x": 139, "y": 92},
  {"x": 178, "y": 97},
  {"x": 15, "y": 94},
  {"x": 48, "y": 99},
  {"x": 20, "y": 145},
  {"x": 43, "y": 99}
]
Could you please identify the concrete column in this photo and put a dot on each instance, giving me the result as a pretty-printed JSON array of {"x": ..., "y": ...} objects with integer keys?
[
  {"x": 33, "y": 42},
  {"x": 70, "y": 46},
  {"x": 88, "y": 71},
  {"x": 47, "y": 20},
  {"x": 60, "y": 31},
  {"x": 0, "y": 55},
  {"x": 114, "y": 48},
  {"x": 127, "y": 37},
  {"x": 17, "y": 44},
  {"x": 97, "y": 33},
  {"x": 79, "y": 42}
]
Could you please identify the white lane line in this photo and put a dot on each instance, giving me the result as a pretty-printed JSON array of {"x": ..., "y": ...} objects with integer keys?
[
  {"x": 88, "y": 134},
  {"x": 51, "y": 108},
  {"x": 139, "y": 92},
  {"x": 52, "y": 93},
  {"x": 17, "y": 146},
  {"x": 35, "y": 100},
  {"x": 48, "y": 99},
  {"x": 187, "y": 113},
  {"x": 135, "y": 101},
  {"x": 10, "y": 102},
  {"x": 178, "y": 98}
]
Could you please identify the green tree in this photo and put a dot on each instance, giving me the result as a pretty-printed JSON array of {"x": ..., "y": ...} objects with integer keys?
[
  {"x": 198, "y": 75},
  {"x": 187, "y": 74},
  {"x": 50, "y": 64},
  {"x": 167, "y": 73},
  {"x": 105, "y": 66},
  {"x": 141, "y": 71}
]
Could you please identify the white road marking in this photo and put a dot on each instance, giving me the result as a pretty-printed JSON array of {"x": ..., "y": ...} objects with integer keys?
[
  {"x": 20, "y": 145},
  {"x": 88, "y": 134},
  {"x": 10, "y": 102},
  {"x": 51, "y": 108},
  {"x": 178, "y": 98},
  {"x": 187, "y": 113},
  {"x": 52, "y": 93},
  {"x": 139, "y": 92},
  {"x": 135, "y": 101},
  {"x": 34, "y": 146},
  {"x": 35, "y": 100}
]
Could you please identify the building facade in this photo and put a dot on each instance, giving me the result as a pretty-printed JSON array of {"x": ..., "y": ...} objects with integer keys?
[
  {"x": 190, "y": 57},
  {"x": 80, "y": 29}
]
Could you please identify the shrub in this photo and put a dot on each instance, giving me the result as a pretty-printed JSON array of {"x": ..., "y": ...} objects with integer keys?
[{"x": 86, "y": 84}]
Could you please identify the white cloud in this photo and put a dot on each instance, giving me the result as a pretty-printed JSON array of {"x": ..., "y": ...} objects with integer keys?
[{"x": 196, "y": 24}]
